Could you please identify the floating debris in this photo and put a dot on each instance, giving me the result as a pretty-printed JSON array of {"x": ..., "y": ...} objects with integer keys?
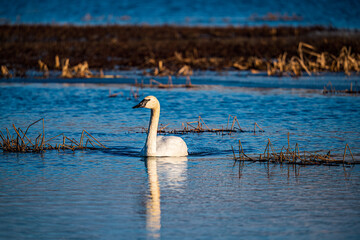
[{"x": 20, "y": 142}]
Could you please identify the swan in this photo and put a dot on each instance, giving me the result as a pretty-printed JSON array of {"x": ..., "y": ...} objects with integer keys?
[{"x": 160, "y": 146}]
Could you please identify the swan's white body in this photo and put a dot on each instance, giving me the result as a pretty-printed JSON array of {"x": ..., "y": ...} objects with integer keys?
[
  {"x": 160, "y": 146},
  {"x": 167, "y": 146}
]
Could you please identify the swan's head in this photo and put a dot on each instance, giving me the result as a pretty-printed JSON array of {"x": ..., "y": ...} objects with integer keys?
[{"x": 150, "y": 102}]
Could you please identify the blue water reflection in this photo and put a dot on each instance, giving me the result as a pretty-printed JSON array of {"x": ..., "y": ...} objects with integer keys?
[{"x": 113, "y": 193}]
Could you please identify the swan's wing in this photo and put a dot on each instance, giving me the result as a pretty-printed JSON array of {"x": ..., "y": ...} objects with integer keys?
[{"x": 170, "y": 146}]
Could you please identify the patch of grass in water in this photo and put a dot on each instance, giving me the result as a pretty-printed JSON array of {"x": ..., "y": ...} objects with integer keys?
[{"x": 20, "y": 142}]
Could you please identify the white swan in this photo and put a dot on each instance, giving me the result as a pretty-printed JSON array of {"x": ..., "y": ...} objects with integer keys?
[{"x": 167, "y": 146}]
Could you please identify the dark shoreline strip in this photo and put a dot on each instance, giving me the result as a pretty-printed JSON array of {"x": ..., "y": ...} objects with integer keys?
[{"x": 109, "y": 47}]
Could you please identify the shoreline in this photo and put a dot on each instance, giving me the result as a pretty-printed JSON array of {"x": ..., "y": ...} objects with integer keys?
[{"x": 167, "y": 49}]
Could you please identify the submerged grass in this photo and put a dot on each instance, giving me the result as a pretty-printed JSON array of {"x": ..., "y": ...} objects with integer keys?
[{"x": 21, "y": 142}]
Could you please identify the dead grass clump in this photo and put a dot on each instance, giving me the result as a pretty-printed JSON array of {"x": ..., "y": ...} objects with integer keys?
[
  {"x": 21, "y": 142},
  {"x": 43, "y": 68},
  {"x": 185, "y": 71},
  {"x": 157, "y": 84},
  {"x": 160, "y": 69},
  {"x": 81, "y": 70},
  {"x": 57, "y": 62},
  {"x": 288, "y": 155},
  {"x": 199, "y": 126},
  {"x": 311, "y": 61},
  {"x": 329, "y": 89},
  {"x": 66, "y": 73},
  {"x": 5, "y": 72}
]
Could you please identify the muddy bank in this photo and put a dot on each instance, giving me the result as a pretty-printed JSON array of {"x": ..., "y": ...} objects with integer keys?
[{"x": 109, "y": 47}]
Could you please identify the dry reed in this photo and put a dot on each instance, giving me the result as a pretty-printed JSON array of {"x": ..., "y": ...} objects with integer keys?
[
  {"x": 21, "y": 142},
  {"x": 329, "y": 89},
  {"x": 157, "y": 84},
  {"x": 294, "y": 156},
  {"x": 5, "y": 72},
  {"x": 81, "y": 70},
  {"x": 311, "y": 61},
  {"x": 308, "y": 60},
  {"x": 199, "y": 126}
]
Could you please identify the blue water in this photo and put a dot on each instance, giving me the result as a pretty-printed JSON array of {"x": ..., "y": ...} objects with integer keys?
[
  {"x": 341, "y": 14},
  {"x": 115, "y": 194}
]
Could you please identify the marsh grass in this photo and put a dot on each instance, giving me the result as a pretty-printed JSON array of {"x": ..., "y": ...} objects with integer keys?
[
  {"x": 307, "y": 60},
  {"x": 180, "y": 49},
  {"x": 157, "y": 84},
  {"x": 329, "y": 89},
  {"x": 5, "y": 72},
  {"x": 21, "y": 142},
  {"x": 199, "y": 126},
  {"x": 293, "y": 156},
  {"x": 311, "y": 61}
]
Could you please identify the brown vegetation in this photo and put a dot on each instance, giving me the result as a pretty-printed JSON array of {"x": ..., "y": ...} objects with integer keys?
[
  {"x": 200, "y": 126},
  {"x": 288, "y": 155},
  {"x": 311, "y": 61},
  {"x": 329, "y": 89},
  {"x": 20, "y": 142},
  {"x": 170, "y": 50}
]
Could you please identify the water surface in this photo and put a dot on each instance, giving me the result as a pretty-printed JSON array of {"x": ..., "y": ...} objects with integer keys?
[
  {"x": 341, "y": 14},
  {"x": 113, "y": 193}
]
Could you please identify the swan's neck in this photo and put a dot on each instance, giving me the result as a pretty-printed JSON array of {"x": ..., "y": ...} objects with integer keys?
[{"x": 152, "y": 132}]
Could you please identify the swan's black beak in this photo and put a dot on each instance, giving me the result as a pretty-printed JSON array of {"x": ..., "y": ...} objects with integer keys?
[{"x": 141, "y": 104}]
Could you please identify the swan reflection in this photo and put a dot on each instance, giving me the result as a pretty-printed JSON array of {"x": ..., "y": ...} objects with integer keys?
[{"x": 170, "y": 174}]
